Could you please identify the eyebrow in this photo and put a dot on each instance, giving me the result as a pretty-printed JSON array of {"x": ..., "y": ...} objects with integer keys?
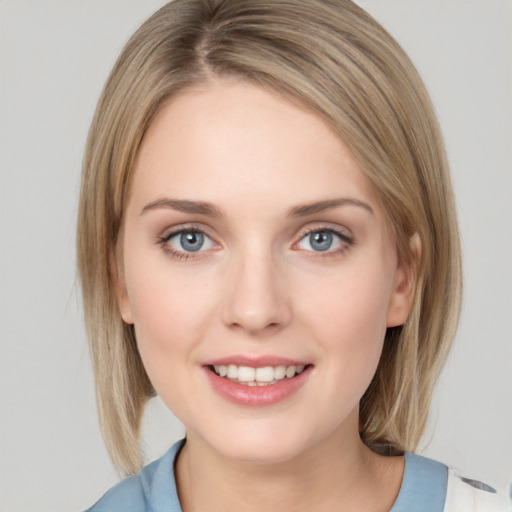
[
  {"x": 183, "y": 205},
  {"x": 329, "y": 204},
  {"x": 205, "y": 208}
]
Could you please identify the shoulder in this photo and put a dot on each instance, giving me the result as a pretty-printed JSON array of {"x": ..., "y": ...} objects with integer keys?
[
  {"x": 430, "y": 486},
  {"x": 153, "y": 489},
  {"x": 471, "y": 495},
  {"x": 423, "y": 486},
  {"x": 127, "y": 496}
]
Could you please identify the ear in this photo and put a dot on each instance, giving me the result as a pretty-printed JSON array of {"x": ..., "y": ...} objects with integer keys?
[
  {"x": 123, "y": 301},
  {"x": 402, "y": 298}
]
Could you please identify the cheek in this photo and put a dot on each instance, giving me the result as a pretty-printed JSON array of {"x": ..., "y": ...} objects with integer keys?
[
  {"x": 168, "y": 328},
  {"x": 165, "y": 311},
  {"x": 168, "y": 307},
  {"x": 348, "y": 321},
  {"x": 350, "y": 307}
]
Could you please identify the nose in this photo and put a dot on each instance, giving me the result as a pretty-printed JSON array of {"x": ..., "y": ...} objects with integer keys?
[{"x": 256, "y": 299}]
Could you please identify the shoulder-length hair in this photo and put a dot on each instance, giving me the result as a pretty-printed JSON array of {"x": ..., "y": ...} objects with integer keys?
[{"x": 334, "y": 59}]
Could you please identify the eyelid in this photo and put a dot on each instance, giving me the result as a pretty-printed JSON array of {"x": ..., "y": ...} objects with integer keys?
[
  {"x": 174, "y": 231},
  {"x": 346, "y": 239},
  {"x": 170, "y": 231},
  {"x": 343, "y": 232}
]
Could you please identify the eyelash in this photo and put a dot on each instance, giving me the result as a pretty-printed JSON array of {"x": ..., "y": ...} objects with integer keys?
[
  {"x": 347, "y": 242},
  {"x": 179, "y": 255}
]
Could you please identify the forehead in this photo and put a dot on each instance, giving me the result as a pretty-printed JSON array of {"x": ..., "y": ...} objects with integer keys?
[{"x": 231, "y": 140}]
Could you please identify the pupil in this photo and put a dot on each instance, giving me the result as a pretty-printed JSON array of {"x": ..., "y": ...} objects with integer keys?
[
  {"x": 321, "y": 241},
  {"x": 192, "y": 241}
]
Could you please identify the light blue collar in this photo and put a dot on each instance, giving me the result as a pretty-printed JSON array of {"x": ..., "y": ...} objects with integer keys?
[{"x": 423, "y": 486}]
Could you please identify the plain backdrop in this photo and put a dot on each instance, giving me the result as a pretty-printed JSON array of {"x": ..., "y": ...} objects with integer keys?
[{"x": 54, "y": 58}]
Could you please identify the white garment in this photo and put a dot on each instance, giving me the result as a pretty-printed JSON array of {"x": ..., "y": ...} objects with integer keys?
[{"x": 465, "y": 495}]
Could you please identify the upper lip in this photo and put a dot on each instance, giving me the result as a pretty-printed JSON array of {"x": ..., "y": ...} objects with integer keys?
[{"x": 256, "y": 361}]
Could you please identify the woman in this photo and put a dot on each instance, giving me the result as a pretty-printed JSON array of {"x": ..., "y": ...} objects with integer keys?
[{"x": 267, "y": 239}]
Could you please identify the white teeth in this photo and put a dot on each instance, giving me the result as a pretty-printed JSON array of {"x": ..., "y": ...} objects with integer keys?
[
  {"x": 279, "y": 372},
  {"x": 258, "y": 376},
  {"x": 290, "y": 371},
  {"x": 246, "y": 374},
  {"x": 265, "y": 374}
]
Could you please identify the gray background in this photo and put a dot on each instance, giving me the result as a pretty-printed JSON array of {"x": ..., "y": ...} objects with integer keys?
[{"x": 54, "y": 58}]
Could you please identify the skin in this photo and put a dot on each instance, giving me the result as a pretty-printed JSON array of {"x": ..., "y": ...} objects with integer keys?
[{"x": 258, "y": 287}]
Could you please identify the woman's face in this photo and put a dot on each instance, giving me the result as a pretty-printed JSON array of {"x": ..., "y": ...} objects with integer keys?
[{"x": 258, "y": 273}]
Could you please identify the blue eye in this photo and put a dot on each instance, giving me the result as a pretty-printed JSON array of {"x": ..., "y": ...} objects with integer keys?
[
  {"x": 192, "y": 242},
  {"x": 323, "y": 240},
  {"x": 188, "y": 241},
  {"x": 320, "y": 241}
]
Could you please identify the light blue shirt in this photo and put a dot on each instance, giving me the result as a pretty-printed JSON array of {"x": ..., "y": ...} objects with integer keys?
[{"x": 154, "y": 488}]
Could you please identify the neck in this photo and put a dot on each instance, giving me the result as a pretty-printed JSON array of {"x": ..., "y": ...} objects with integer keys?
[{"x": 334, "y": 474}]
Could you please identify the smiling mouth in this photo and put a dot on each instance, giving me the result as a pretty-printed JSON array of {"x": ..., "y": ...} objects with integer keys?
[{"x": 260, "y": 376}]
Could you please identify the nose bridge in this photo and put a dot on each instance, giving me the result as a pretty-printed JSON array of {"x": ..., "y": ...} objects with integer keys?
[{"x": 256, "y": 299}]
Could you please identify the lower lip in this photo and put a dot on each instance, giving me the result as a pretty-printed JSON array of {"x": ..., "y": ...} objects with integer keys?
[{"x": 257, "y": 396}]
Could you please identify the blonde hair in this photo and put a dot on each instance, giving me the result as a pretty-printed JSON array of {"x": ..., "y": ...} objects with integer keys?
[{"x": 334, "y": 59}]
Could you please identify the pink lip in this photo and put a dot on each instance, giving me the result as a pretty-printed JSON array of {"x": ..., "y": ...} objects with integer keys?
[
  {"x": 254, "y": 362},
  {"x": 256, "y": 396}
]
